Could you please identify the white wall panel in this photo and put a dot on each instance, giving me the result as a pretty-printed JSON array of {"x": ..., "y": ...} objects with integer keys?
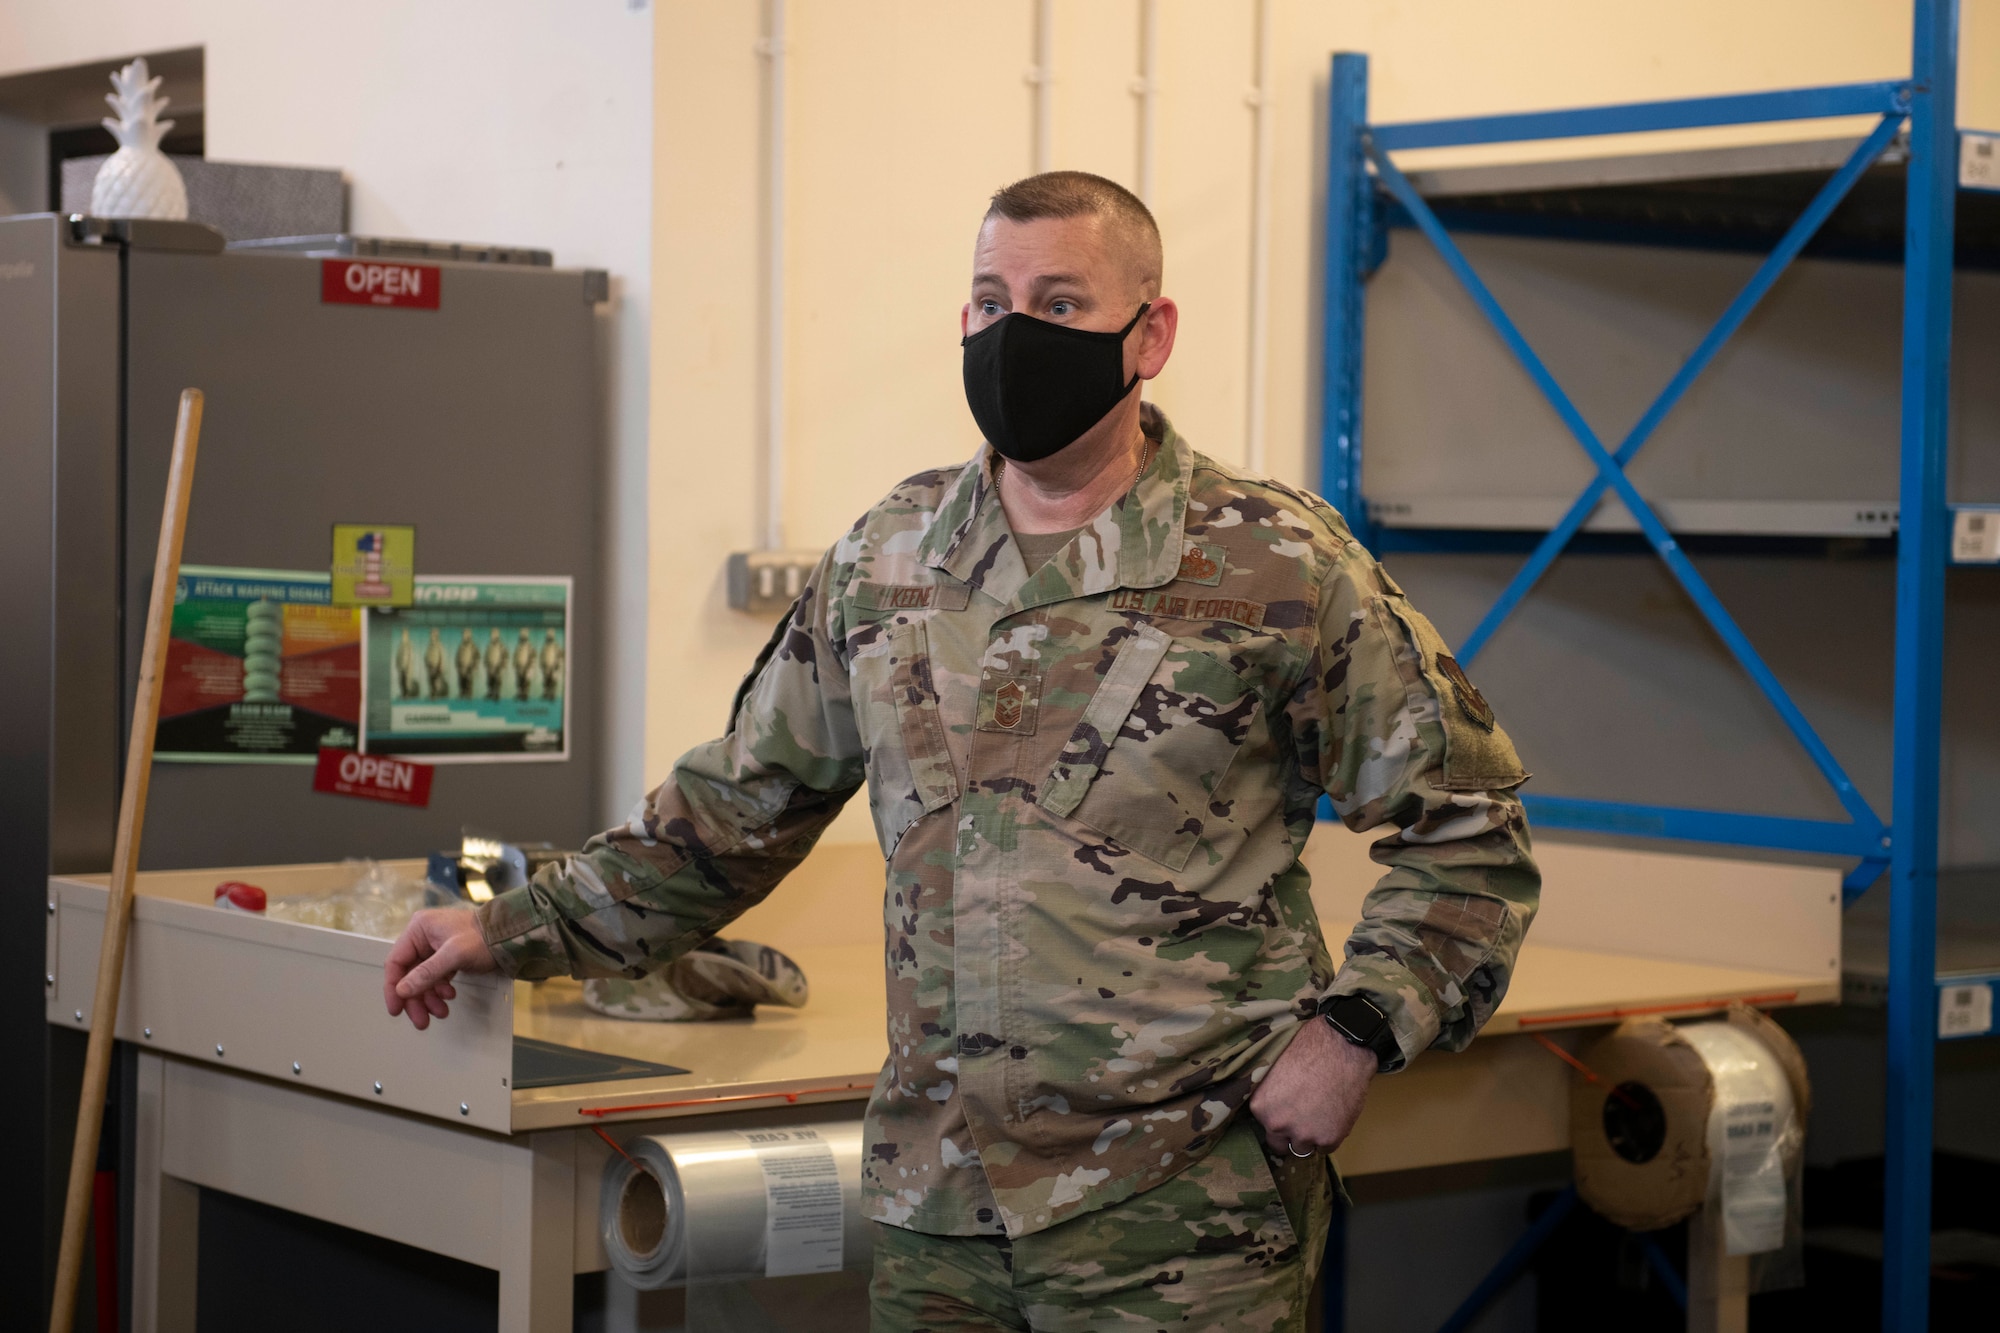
[{"x": 1208, "y": 63}]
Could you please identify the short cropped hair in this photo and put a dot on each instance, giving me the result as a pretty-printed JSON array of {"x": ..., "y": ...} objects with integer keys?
[{"x": 1070, "y": 194}]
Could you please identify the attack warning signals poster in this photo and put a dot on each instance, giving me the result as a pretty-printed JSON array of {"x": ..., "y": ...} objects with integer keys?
[{"x": 261, "y": 668}]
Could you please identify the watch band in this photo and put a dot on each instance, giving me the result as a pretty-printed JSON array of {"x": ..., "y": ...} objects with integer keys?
[{"x": 1362, "y": 1021}]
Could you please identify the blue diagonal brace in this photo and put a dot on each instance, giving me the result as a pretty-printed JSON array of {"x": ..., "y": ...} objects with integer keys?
[
  {"x": 1656, "y": 533},
  {"x": 1862, "y": 878},
  {"x": 1767, "y": 275},
  {"x": 1663, "y": 1269},
  {"x": 1518, "y": 1257}
]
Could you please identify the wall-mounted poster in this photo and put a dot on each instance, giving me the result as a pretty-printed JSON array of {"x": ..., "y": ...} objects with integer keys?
[
  {"x": 475, "y": 669},
  {"x": 261, "y": 668}
]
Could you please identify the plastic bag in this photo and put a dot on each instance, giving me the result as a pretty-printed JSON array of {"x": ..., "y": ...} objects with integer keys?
[{"x": 378, "y": 902}]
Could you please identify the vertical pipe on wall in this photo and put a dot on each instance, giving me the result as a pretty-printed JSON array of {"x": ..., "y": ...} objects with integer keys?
[
  {"x": 1257, "y": 380},
  {"x": 1920, "y": 572},
  {"x": 772, "y": 50},
  {"x": 1147, "y": 89},
  {"x": 1041, "y": 79}
]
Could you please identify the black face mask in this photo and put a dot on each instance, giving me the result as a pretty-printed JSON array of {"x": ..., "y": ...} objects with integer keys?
[{"x": 1035, "y": 387}]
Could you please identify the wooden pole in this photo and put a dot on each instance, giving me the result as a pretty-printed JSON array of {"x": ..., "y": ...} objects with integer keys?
[{"x": 124, "y": 863}]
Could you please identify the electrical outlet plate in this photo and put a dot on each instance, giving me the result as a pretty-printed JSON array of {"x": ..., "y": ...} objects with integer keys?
[{"x": 764, "y": 582}]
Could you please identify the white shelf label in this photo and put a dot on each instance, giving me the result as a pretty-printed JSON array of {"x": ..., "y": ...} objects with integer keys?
[
  {"x": 1975, "y": 536},
  {"x": 1965, "y": 1011},
  {"x": 804, "y": 1214},
  {"x": 1978, "y": 161}
]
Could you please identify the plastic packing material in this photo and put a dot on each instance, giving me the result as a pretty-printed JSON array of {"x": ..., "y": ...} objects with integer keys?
[
  {"x": 1748, "y": 1124},
  {"x": 722, "y": 1206},
  {"x": 1679, "y": 1116},
  {"x": 378, "y": 902}
]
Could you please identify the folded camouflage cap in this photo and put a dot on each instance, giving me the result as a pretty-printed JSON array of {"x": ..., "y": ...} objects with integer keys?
[{"x": 721, "y": 979}]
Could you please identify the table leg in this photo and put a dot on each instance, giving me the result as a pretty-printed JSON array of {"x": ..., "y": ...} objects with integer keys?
[
  {"x": 1718, "y": 1285},
  {"x": 538, "y": 1234},
  {"x": 166, "y": 1216},
  {"x": 630, "y": 1310}
]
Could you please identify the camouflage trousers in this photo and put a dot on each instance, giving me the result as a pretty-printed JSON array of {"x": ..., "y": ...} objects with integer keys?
[{"x": 1233, "y": 1242}]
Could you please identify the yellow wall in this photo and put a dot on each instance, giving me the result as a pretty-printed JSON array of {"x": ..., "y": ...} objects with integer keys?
[{"x": 905, "y": 114}]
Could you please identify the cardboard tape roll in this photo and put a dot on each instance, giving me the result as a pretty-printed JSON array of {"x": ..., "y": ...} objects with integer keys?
[
  {"x": 1679, "y": 1115},
  {"x": 682, "y": 1209}
]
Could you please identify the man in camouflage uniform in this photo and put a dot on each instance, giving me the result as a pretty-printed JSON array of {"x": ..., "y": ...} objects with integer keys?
[{"x": 1096, "y": 684}]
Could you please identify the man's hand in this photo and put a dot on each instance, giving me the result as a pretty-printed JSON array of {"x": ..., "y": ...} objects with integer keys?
[
  {"x": 1312, "y": 1096},
  {"x": 435, "y": 947}
]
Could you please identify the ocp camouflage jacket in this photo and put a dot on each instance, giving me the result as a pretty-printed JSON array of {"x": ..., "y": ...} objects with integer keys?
[{"x": 1092, "y": 784}]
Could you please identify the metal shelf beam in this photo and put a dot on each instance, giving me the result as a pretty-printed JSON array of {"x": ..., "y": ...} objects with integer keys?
[{"x": 1846, "y": 99}]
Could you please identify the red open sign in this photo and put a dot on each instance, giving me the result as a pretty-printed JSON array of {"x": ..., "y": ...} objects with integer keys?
[
  {"x": 378, "y": 282},
  {"x": 373, "y": 777}
]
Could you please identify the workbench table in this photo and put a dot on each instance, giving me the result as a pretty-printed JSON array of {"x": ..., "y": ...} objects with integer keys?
[{"x": 268, "y": 1069}]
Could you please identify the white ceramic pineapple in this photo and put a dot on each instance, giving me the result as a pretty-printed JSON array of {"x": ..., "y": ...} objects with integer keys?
[{"x": 138, "y": 181}]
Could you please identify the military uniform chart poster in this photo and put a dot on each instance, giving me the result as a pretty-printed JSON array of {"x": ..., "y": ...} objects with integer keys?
[
  {"x": 474, "y": 670},
  {"x": 261, "y": 668}
]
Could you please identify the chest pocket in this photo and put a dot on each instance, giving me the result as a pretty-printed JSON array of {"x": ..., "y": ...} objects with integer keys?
[
  {"x": 1153, "y": 748},
  {"x": 910, "y": 772},
  {"x": 931, "y": 771}
]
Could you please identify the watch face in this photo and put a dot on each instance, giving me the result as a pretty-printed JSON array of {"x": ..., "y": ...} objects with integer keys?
[{"x": 1357, "y": 1018}]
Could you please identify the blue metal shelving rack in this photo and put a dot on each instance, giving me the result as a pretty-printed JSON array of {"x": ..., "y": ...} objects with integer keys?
[{"x": 1926, "y": 103}]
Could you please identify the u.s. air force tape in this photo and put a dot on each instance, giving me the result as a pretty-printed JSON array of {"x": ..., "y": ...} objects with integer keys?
[
  {"x": 1680, "y": 1115},
  {"x": 724, "y": 1205}
]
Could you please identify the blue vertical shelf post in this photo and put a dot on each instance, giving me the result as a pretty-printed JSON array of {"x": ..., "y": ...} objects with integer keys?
[
  {"x": 1921, "y": 558},
  {"x": 1349, "y": 232}
]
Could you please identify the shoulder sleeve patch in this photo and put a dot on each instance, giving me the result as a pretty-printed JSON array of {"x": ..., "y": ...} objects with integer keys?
[
  {"x": 1478, "y": 756},
  {"x": 1470, "y": 701}
]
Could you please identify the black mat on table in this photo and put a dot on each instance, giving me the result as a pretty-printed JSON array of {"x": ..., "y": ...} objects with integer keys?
[{"x": 543, "y": 1064}]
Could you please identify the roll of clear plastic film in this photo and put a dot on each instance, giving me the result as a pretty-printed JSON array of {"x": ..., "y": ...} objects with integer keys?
[
  {"x": 725, "y": 1205},
  {"x": 1679, "y": 1116}
]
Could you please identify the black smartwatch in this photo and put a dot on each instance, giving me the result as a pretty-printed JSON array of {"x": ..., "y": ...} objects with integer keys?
[{"x": 1361, "y": 1022}]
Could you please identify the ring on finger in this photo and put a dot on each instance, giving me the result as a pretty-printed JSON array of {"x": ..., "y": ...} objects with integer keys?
[{"x": 1293, "y": 1148}]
